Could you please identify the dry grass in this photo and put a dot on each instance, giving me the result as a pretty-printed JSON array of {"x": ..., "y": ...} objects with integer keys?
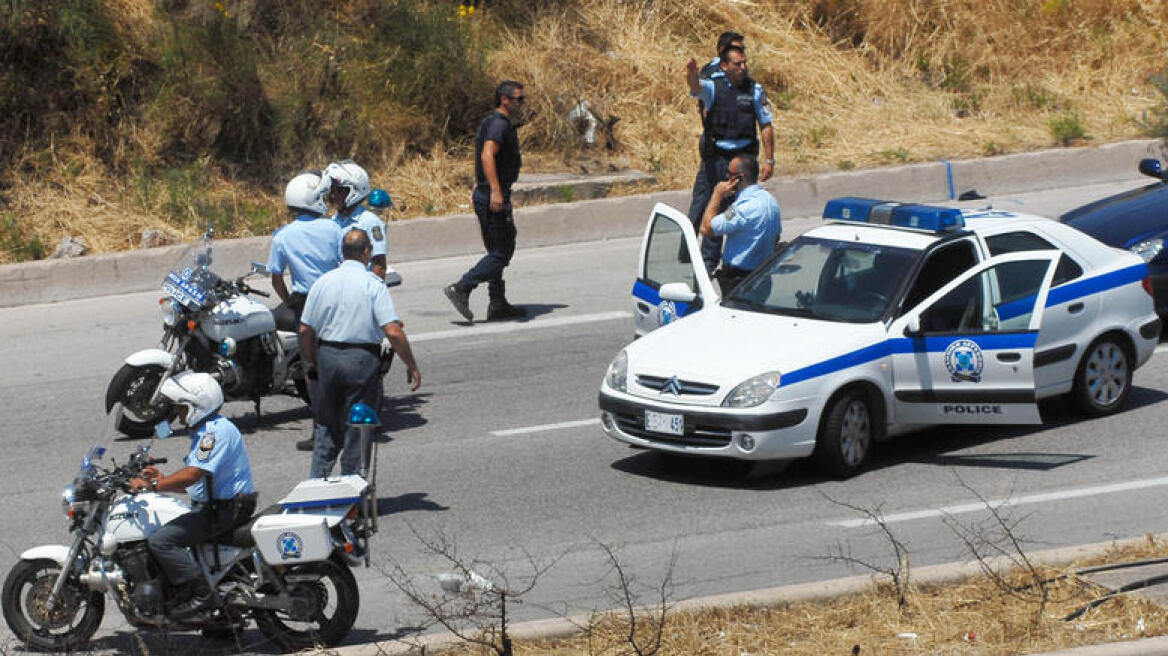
[
  {"x": 972, "y": 617},
  {"x": 854, "y": 83}
]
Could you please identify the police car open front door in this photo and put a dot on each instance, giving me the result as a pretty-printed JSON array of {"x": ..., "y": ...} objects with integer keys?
[
  {"x": 965, "y": 355},
  {"x": 670, "y": 254}
]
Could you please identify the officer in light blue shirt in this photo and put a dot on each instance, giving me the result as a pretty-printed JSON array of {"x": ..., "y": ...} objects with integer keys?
[
  {"x": 308, "y": 247},
  {"x": 751, "y": 224},
  {"x": 217, "y": 460},
  {"x": 348, "y": 312},
  {"x": 350, "y": 186}
]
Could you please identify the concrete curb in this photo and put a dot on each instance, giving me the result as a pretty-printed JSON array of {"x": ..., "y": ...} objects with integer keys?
[
  {"x": 558, "y": 628},
  {"x": 49, "y": 281}
]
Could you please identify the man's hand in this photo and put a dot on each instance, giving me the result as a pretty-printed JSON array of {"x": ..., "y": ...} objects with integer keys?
[
  {"x": 496, "y": 200},
  {"x": 414, "y": 378},
  {"x": 691, "y": 77},
  {"x": 691, "y": 66},
  {"x": 151, "y": 473},
  {"x": 765, "y": 171},
  {"x": 726, "y": 187},
  {"x": 139, "y": 485}
]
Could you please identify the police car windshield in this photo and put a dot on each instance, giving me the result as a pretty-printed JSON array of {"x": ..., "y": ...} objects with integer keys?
[{"x": 826, "y": 279}]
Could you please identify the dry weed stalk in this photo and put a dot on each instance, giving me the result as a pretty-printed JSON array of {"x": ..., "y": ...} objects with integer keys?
[
  {"x": 898, "y": 574},
  {"x": 638, "y": 620}
]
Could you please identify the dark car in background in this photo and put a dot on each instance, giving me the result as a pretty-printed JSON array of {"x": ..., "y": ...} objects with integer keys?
[{"x": 1135, "y": 220}]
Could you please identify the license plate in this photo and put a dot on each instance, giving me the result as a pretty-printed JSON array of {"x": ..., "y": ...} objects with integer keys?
[
  {"x": 663, "y": 422},
  {"x": 182, "y": 291}
]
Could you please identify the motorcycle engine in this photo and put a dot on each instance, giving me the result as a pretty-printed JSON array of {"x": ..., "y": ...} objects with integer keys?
[
  {"x": 249, "y": 373},
  {"x": 145, "y": 579}
]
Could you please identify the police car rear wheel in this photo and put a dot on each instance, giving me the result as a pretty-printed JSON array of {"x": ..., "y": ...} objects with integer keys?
[
  {"x": 846, "y": 435},
  {"x": 1104, "y": 378}
]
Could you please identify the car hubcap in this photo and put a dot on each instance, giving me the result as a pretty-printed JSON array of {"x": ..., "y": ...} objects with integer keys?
[
  {"x": 1106, "y": 375},
  {"x": 855, "y": 433}
]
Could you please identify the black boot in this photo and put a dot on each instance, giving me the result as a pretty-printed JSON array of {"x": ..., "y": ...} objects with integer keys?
[
  {"x": 202, "y": 598},
  {"x": 460, "y": 298},
  {"x": 500, "y": 310}
]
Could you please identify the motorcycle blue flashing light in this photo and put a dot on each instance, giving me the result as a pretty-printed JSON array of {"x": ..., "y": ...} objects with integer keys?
[
  {"x": 361, "y": 414},
  {"x": 882, "y": 212},
  {"x": 379, "y": 199}
]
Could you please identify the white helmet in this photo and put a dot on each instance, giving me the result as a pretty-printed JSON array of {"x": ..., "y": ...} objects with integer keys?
[
  {"x": 200, "y": 393},
  {"x": 347, "y": 173},
  {"x": 307, "y": 192}
]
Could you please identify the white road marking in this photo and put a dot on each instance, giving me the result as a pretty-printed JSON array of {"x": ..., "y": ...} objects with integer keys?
[
  {"x": 1059, "y": 495},
  {"x": 1162, "y": 348},
  {"x": 547, "y": 427},
  {"x": 516, "y": 326}
]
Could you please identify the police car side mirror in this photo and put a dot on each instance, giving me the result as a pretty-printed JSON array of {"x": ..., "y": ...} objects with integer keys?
[
  {"x": 678, "y": 292},
  {"x": 913, "y": 329},
  {"x": 1152, "y": 168}
]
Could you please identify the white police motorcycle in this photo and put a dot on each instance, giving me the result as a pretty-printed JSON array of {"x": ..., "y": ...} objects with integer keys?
[
  {"x": 212, "y": 325},
  {"x": 288, "y": 568}
]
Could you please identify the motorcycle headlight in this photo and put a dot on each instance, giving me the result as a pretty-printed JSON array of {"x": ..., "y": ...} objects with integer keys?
[
  {"x": 754, "y": 391},
  {"x": 618, "y": 372},
  {"x": 68, "y": 498},
  {"x": 170, "y": 312},
  {"x": 1148, "y": 249}
]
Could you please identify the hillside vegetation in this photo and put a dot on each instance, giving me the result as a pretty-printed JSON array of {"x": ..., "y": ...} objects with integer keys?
[{"x": 120, "y": 115}]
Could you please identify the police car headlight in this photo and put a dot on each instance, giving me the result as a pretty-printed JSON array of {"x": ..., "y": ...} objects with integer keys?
[
  {"x": 618, "y": 372},
  {"x": 753, "y": 392},
  {"x": 170, "y": 312},
  {"x": 1149, "y": 249}
]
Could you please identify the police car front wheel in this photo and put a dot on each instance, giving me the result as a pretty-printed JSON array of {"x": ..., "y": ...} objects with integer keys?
[{"x": 846, "y": 435}]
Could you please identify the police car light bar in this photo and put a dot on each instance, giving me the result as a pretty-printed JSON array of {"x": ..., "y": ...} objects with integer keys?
[{"x": 882, "y": 212}]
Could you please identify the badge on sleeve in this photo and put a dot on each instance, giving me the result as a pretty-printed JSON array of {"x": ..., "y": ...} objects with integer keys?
[
  {"x": 206, "y": 445},
  {"x": 377, "y": 234}
]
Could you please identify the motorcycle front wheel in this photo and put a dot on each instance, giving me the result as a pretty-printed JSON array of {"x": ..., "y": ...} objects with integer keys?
[
  {"x": 325, "y": 603},
  {"x": 134, "y": 386},
  {"x": 68, "y": 626}
]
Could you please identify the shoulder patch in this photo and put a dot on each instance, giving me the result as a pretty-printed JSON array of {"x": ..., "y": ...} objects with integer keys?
[
  {"x": 376, "y": 234},
  {"x": 206, "y": 445}
]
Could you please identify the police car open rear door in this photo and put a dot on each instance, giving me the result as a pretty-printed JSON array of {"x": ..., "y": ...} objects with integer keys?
[
  {"x": 965, "y": 355},
  {"x": 670, "y": 254}
]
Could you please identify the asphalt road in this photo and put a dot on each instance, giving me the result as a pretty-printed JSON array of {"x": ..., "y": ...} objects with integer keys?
[{"x": 500, "y": 451}]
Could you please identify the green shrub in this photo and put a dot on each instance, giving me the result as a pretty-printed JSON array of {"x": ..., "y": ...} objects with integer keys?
[
  {"x": 1155, "y": 120},
  {"x": 15, "y": 241},
  {"x": 1067, "y": 128}
]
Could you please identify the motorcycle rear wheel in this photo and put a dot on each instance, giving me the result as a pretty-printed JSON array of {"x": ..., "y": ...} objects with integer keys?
[
  {"x": 134, "y": 386},
  {"x": 25, "y": 592},
  {"x": 311, "y": 624}
]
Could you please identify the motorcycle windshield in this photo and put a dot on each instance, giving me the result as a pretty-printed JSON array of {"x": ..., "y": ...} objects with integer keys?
[
  {"x": 88, "y": 463},
  {"x": 191, "y": 281}
]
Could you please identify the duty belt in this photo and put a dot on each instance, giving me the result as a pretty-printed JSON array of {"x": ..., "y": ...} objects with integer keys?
[{"x": 375, "y": 349}]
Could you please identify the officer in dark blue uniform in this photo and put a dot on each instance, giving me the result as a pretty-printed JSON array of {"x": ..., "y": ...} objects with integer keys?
[{"x": 734, "y": 104}]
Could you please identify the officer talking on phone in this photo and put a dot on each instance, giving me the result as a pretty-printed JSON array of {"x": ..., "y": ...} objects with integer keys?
[{"x": 751, "y": 223}]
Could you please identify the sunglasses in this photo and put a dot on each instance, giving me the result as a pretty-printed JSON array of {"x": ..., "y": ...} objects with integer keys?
[{"x": 518, "y": 98}]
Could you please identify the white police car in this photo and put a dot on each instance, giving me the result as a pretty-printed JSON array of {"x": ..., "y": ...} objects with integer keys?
[{"x": 885, "y": 318}]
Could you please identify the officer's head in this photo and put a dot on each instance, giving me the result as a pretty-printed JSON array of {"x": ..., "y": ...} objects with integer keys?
[
  {"x": 745, "y": 168},
  {"x": 350, "y": 184},
  {"x": 734, "y": 64},
  {"x": 356, "y": 246},
  {"x": 195, "y": 395},
  {"x": 305, "y": 194},
  {"x": 727, "y": 39}
]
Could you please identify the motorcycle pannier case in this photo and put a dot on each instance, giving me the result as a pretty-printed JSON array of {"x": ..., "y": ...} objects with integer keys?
[{"x": 292, "y": 539}]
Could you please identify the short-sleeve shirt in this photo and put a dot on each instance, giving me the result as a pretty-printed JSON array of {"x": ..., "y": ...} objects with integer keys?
[
  {"x": 367, "y": 221},
  {"x": 498, "y": 128},
  {"x": 762, "y": 108},
  {"x": 309, "y": 247},
  {"x": 349, "y": 305},
  {"x": 751, "y": 225},
  {"x": 218, "y": 449}
]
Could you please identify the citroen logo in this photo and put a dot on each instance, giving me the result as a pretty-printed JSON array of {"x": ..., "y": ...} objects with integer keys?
[{"x": 672, "y": 386}]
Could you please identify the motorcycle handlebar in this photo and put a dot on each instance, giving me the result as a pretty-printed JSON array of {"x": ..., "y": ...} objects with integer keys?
[{"x": 158, "y": 461}]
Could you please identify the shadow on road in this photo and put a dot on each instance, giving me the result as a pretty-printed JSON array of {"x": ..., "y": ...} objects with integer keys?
[
  {"x": 935, "y": 445},
  {"x": 407, "y": 503}
]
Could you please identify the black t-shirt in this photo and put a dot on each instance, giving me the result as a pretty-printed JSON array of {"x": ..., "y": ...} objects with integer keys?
[{"x": 498, "y": 128}]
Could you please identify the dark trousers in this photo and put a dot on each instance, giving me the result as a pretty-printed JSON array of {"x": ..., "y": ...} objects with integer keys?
[
  {"x": 711, "y": 171},
  {"x": 729, "y": 276},
  {"x": 345, "y": 375},
  {"x": 170, "y": 543},
  {"x": 498, "y": 231},
  {"x": 287, "y": 314}
]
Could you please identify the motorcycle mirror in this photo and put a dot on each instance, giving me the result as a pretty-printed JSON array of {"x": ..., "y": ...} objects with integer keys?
[{"x": 162, "y": 430}]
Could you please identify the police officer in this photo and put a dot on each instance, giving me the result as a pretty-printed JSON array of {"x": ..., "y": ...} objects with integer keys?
[
  {"x": 714, "y": 66},
  {"x": 497, "y": 162},
  {"x": 309, "y": 246},
  {"x": 350, "y": 186},
  {"x": 347, "y": 313},
  {"x": 734, "y": 103},
  {"x": 751, "y": 224},
  {"x": 217, "y": 477}
]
